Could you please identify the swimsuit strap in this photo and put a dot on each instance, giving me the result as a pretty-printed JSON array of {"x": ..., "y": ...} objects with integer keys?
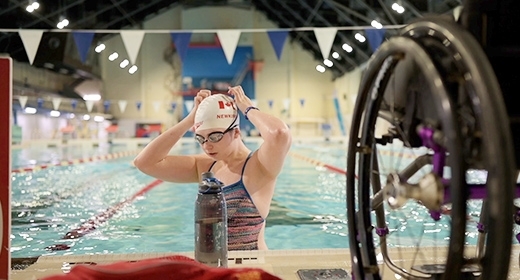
[
  {"x": 243, "y": 167},
  {"x": 212, "y": 166}
]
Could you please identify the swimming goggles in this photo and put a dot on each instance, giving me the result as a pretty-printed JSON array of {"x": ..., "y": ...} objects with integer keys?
[
  {"x": 216, "y": 136},
  {"x": 213, "y": 137}
]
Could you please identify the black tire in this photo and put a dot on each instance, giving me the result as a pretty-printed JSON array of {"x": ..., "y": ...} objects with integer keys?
[{"x": 443, "y": 81}]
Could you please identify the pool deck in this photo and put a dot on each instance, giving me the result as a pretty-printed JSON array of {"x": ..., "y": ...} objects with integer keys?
[{"x": 282, "y": 263}]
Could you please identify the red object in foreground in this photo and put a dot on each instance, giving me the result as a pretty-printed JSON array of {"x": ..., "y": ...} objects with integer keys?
[{"x": 164, "y": 268}]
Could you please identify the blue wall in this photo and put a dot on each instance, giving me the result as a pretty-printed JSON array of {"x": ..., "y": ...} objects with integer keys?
[{"x": 209, "y": 63}]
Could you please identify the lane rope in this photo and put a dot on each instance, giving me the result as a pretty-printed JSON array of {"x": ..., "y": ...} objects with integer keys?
[
  {"x": 319, "y": 163},
  {"x": 76, "y": 161},
  {"x": 101, "y": 218}
]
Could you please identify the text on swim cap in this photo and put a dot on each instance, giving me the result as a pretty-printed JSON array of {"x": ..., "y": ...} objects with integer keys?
[{"x": 226, "y": 116}]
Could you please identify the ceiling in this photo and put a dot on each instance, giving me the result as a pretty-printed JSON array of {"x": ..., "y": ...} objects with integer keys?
[{"x": 124, "y": 14}]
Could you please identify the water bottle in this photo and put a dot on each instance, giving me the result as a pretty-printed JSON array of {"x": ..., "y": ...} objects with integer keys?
[{"x": 211, "y": 223}]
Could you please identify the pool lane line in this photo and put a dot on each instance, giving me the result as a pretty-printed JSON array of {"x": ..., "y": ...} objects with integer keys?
[
  {"x": 344, "y": 171},
  {"x": 95, "y": 221},
  {"x": 320, "y": 163},
  {"x": 75, "y": 161}
]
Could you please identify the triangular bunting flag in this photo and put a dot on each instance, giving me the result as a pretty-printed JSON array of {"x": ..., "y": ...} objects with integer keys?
[
  {"x": 23, "y": 101},
  {"x": 73, "y": 104},
  {"x": 132, "y": 40},
  {"x": 229, "y": 41},
  {"x": 31, "y": 40},
  {"x": 106, "y": 104},
  {"x": 277, "y": 39},
  {"x": 138, "y": 104},
  {"x": 40, "y": 103},
  {"x": 156, "y": 105},
  {"x": 302, "y": 101},
  {"x": 189, "y": 105},
  {"x": 286, "y": 103},
  {"x": 90, "y": 104},
  {"x": 122, "y": 105},
  {"x": 375, "y": 37},
  {"x": 270, "y": 103},
  {"x": 173, "y": 106},
  {"x": 83, "y": 41},
  {"x": 325, "y": 37},
  {"x": 182, "y": 43},
  {"x": 56, "y": 101}
]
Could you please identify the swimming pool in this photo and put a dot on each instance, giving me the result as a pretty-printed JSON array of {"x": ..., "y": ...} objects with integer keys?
[{"x": 308, "y": 209}]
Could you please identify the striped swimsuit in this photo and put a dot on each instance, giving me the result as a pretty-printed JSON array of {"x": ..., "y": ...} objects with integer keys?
[{"x": 244, "y": 220}]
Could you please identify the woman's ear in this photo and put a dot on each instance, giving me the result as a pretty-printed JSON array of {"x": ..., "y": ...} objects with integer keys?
[{"x": 236, "y": 133}]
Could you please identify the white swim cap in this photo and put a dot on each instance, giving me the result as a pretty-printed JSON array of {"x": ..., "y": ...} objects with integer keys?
[{"x": 217, "y": 111}]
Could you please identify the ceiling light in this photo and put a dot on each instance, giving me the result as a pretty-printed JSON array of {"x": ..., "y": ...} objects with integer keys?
[
  {"x": 398, "y": 8},
  {"x": 33, "y": 5},
  {"x": 113, "y": 56},
  {"x": 63, "y": 22},
  {"x": 360, "y": 37},
  {"x": 376, "y": 24},
  {"x": 48, "y": 65},
  {"x": 347, "y": 47},
  {"x": 99, "y": 118},
  {"x": 92, "y": 97},
  {"x": 124, "y": 63},
  {"x": 132, "y": 69},
  {"x": 30, "y": 110},
  {"x": 100, "y": 48},
  {"x": 320, "y": 68},
  {"x": 55, "y": 113},
  {"x": 335, "y": 55},
  {"x": 328, "y": 63},
  {"x": 86, "y": 117}
]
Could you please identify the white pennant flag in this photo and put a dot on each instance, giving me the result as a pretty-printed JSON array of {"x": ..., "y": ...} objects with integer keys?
[
  {"x": 122, "y": 105},
  {"x": 132, "y": 40},
  {"x": 56, "y": 101},
  {"x": 31, "y": 40},
  {"x": 23, "y": 101},
  {"x": 325, "y": 37},
  {"x": 229, "y": 41},
  {"x": 90, "y": 104},
  {"x": 156, "y": 105},
  {"x": 189, "y": 105},
  {"x": 286, "y": 103}
]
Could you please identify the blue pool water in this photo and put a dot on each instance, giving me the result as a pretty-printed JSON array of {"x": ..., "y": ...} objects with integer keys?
[{"x": 308, "y": 210}]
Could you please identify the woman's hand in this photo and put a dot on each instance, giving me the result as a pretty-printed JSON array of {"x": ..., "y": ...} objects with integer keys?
[
  {"x": 203, "y": 93},
  {"x": 241, "y": 100}
]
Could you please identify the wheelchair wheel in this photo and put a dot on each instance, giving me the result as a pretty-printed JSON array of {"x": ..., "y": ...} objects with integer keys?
[{"x": 429, "y": 112}]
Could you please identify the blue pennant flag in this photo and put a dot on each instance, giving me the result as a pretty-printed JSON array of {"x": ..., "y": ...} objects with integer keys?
[
  {"x": 375, "y": 37},
  {"x": 138, "y": 104},
  {"x": 182, "y": 43},
  {"x": 74, "y": 103},
  {"x": 40, "y": 103},
  {"x": 106, "y": 104},
  {"x": 83, "y": 41},
  {"x": 277, "y": 40}
]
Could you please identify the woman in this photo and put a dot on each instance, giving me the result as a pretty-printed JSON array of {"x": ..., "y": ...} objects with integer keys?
[{"x": 249, "y": 176}]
